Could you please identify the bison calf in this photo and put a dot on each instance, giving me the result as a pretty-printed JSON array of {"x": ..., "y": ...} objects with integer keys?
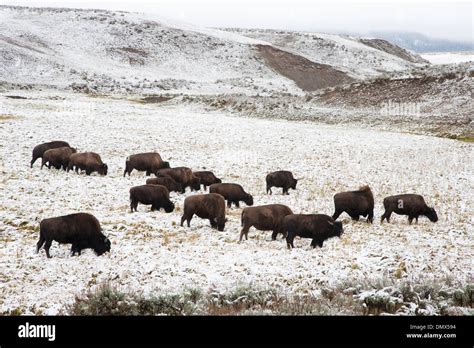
[
  {"x": 157, "y": 196},
  {"x": 149, "y": 162},
  {"x": 265, "y": 218},
  {"x": 88, "y": 161},
  {"x": 166, "y": 181},
  {"x": 207, "y": 178},
  {"x": 58, "y": 157},
  {"x": 40, "y": 149},
  {"x": 207, "y": 206},
  {"x": 82, "y": 230},
  {"x": 318, "y": 227},
  {"x": 233, "y": 193},
  {"x": 408, "y": 204},
  {"x": 355, "y": 203},
  {"x": 281, "y": 178}
]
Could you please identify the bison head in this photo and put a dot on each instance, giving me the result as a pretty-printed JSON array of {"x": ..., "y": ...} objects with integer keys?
[
  {"x": 102, "y": 246},
  {"x": 248, "y": 200},
  {"x": 431, "y": 214},
  {"x": 338, "y": 228},
  {"x": 293, "y": 185},
  {"x": 177, "y": 187},
  {"x": 103, "y": 169},
  {"x": 218, "y": 181},
  {"x": 169, "y": 206},
  {"x": 195, "y": 183},
  {"x": 221, "y": 223}
]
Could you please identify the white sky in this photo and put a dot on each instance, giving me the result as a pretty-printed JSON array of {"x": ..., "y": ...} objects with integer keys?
[{"x": 442, "y": 19}]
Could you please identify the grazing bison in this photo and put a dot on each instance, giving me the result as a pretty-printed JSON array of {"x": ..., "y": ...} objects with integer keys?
[
  {"x": 183, "y": 176},
  {"x": 88, "y": 161},
  {"x": 166, "y": 181},
  {"x": 39, "y": 150},
  {"x": 355, "y": 203},
  {"x": 265, "y": 218},
  {"x": 207, "y": 206},
  {"x": 233, "y": 193},
  {"x": 207, "y": 178},
  {"x": 318, "y": 227},
  {"x": 58, "y": 157},
  {"x": 281, "y": 178},
  {"x": 408, "y": 204},
  {"x": 157, "y": 196},
  {"x": 82, "y": 230},
  {"x": 149, "y": 162}
]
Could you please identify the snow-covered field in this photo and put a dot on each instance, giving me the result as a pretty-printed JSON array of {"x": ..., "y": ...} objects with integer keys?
[
  {"x": 150, "y": 252},
  {"x": 448, "y": 57}
]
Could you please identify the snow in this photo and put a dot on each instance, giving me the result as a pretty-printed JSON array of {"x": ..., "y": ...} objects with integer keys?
[
  {"x": 448, "y": 57},
  {"x": 150, "y": 252}
]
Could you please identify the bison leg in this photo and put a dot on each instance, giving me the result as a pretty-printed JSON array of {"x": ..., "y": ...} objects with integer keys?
[
  {"x": 237, "y": 204},
  {"x": 386, "y": 216},
  {"x": 370, "y": 218},
  {"x": 336, "y": 214},
  {"x": 244, "y": 232},
  {"x": 33, "y": 160},
  {"x": 188, "y": 220},
  {"x": 229, "y": 204},
  {"x": 410, "y": 219},
  {"x": 269, "y": 189},
  {"x": 289, "y": 239},
  {"x": 47, "y": 246},
  {"x": 43, "y": 162},
  {"x": 213, "y": 223},
  {"x": 275, "y": 234},
  {"x": 285, "y": 191},
  {"x": 354, "y": 216},
  {"x": 40, "y": 243}
]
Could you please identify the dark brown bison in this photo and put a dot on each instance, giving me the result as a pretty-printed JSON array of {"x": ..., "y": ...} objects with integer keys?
[
  {"x": 281, "y": 178},
  {"x": 82, "y": 230},
  {"x": 182, "y": 175},
  {"x": 355, "y": 203},
  {"x": 408, "y": 204},
  {"x": 207, "y": 206},
  {"x": 39, "y": 150},
  {"x": 265, "y": 218},
  {"x": 88, "y": 161},
  {"x": 318, "y": 227},
  {"x": 233, "y": 193},
  {"x": 207, "y": 178},
  {"x": 166, "y": 181},
  {"x": 149, "y": 162},
  {"x": 58, "y": 157},
  {"x": 157, "y": 196}
]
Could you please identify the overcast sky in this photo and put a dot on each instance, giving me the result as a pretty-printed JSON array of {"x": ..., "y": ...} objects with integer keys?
[{"x": 442, "y": 19}]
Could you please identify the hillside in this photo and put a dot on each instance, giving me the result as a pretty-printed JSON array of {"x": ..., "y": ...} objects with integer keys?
[{"x": 119, "y": 52}]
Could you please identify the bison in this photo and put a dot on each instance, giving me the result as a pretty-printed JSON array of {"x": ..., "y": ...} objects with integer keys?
[
  {"x": 207, "y": 178},
  {"x": 157, "y": 196},
  {"x": 88, "y": 161},
  {"x": 82, "y": 230},
  {"x": 207, "y": 206},
  {"x": 58, "y": 157},
  {"x": 233, "y": 193},
  {"x": 408, "y": 204},
  {"x": 149, "y": 162},
  {"x": 318, "y": 227},
  {"x": 39, "y": 150},
  {"x": 355, "y": 203},
  {"x": 183, "y": 176},
  {"x": 281, "y": 178},
  {"x": 265, "y": 218},
  {"x": 166, "y": 181}
]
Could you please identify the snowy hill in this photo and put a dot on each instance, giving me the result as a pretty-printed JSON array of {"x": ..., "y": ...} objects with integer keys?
[
  {"x": 119, "y": 52},
  {"x": 360, "y": 58}
]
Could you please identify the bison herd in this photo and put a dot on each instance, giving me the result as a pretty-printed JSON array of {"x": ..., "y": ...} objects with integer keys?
[{"x": 83, "y": 230}]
